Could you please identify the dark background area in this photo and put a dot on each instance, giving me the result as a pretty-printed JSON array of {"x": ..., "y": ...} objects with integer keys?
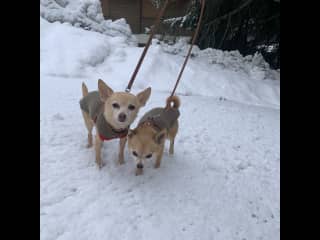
[{"x": 248, "y": 26}]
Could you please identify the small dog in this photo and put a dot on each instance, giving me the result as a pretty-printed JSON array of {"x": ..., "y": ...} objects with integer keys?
[
  {"x": 148, "y": 138},
  {"x": 111, "y": 113}
]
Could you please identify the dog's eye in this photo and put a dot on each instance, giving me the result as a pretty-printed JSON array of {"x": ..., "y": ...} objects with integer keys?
[
  {"x": 135, "y": 153},
  {"x": 131, "y": 107},
  {"x": 115, "y": 105},
  {"x": 149, "y": 155}
]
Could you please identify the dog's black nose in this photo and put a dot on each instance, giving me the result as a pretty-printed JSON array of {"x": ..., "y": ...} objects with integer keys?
[
  {"x": 122, "y": 117},
  {"x": 140, "y": 165}
]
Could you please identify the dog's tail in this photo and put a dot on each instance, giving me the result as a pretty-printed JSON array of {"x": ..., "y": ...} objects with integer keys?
[
  {"x": 175, "y": 100},
  {"x": 84, "y": 90}
]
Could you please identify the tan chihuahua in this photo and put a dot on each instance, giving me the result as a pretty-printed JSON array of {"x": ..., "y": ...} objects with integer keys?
[
  {"x": 111, "y": 113},
  {"x": 147, "y": 140}
]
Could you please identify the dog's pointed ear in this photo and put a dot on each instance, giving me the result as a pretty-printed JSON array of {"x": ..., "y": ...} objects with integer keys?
[
  {"x": 159, "y": 138},
  {"x": 85, "y": 91},
  {"x": 144, "y": 96},
  {"x": 104, "y": 90},
  {"x": 131, "y": 132}
]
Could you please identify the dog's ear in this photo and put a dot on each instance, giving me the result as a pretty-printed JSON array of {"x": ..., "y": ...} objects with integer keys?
[
  {"x": 160, "y": 137},
  {"x": 85, "y": 91},
  {"x": 131, "y": 132},
  {"x": 104, "y": 90},
  {"x": 144, "y": 96}
]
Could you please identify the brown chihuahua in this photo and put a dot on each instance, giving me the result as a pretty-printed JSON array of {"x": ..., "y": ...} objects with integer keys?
[
  {"x": 111, "y": 113},
  {"x": 147, "y": 139}
]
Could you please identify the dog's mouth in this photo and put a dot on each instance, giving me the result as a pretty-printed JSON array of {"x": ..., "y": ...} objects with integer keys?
[
  {"x": 119, "y": 125},
  {"x": 122, "y": 123},
  {"x": 122, "y": 126}
]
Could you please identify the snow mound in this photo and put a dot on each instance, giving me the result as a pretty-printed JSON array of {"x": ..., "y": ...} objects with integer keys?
[
  {"x": 253, "y": 65},
  {"x": 74, "y": 52},
  {"x": 86, "y": 14},
  {"x": 69, "y": 54}
]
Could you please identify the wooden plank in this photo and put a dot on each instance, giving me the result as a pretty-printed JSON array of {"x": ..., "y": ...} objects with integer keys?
[
  {"x": 128, "y": 9},
  {"x": 140, "y": 13},
  {"x": 105, "y": 8},
  {"x": 148, "y": 10}
]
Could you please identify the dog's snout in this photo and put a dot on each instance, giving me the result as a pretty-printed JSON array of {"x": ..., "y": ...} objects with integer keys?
[
  {"x": 122, "y": 117},
  {"x": 140, "y": 165}
]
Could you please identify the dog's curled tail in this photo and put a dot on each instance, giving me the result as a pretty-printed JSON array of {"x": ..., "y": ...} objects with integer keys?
[
  {"x": 84, "y": 90},
  {"x": 175, "y": 100}
]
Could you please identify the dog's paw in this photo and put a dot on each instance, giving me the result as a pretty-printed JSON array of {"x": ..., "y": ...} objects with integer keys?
[
  {"x": 101, "y": 165},
  {"x": 121, "y": 161}
]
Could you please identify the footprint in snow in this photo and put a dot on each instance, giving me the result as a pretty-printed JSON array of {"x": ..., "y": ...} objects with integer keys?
[{"x": 57, "y": 116}]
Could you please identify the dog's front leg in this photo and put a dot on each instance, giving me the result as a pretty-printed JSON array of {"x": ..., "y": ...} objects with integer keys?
[
  {"x": 159, "y": 157},
  {"x": 121, "y": 149},
  {"x": 171, "y": 149},
  {"x": 98, "y": 145}
]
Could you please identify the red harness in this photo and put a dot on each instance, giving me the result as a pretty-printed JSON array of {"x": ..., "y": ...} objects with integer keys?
[{"x": 107, "y": 139}]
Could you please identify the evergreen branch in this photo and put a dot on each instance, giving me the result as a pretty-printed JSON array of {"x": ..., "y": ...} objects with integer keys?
[{"x": 230, "y": 13}]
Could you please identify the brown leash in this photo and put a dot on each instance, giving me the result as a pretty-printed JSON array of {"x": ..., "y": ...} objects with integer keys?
[
  {"x": 153, "y": 30},
  {"x": 189, "y": 52}
]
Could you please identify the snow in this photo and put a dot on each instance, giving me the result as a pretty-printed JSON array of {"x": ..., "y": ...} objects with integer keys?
[
  {"x": 223, "y": 180},
  {"x": 69, "y": 54},
  {"x": 69, "y": 51},
  {"x": 86, "y": 14}
]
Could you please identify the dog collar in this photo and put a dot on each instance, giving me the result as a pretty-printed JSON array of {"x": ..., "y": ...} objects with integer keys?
[
  {"x": 103, "y": 138},
  {"x": 116, "y": 133}
]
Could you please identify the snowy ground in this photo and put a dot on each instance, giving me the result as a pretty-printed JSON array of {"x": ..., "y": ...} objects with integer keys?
[{"x": 223, "y": 181}]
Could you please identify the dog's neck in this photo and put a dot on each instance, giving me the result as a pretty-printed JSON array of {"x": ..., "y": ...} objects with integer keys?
[{"x": 119, "y": 130}]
